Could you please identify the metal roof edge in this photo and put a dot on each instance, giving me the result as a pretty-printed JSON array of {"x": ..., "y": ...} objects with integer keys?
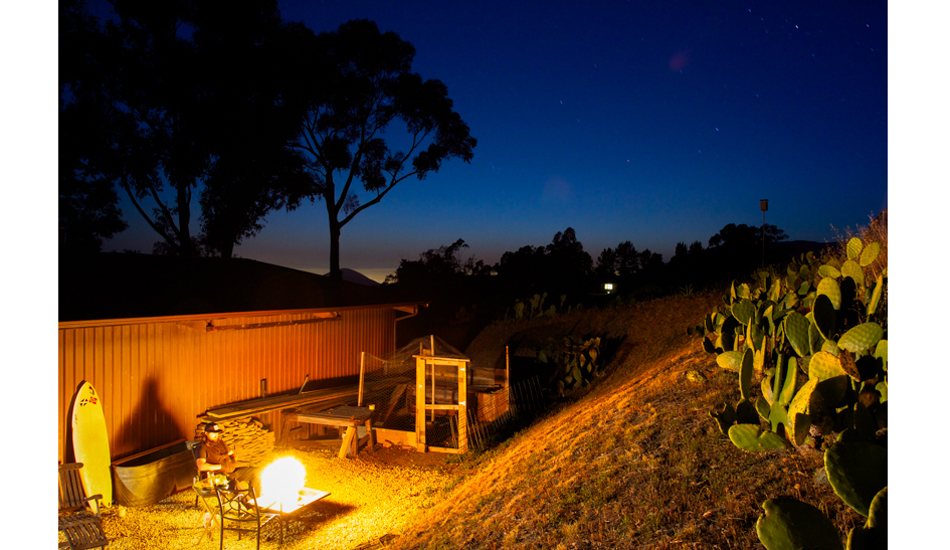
[{"x": 407, "y": 307}]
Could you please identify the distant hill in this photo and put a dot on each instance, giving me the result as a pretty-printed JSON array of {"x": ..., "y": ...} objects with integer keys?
[{"x": 353, "y": 276}]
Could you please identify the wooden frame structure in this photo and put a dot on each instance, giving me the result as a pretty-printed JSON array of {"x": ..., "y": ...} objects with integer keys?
[{"x": 423, "y": 362}]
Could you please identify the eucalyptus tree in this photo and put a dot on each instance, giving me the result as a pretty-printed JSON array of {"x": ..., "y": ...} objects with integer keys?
[
  {"x": 187, "y": 98},
  {"x": 360, "y": 85}
]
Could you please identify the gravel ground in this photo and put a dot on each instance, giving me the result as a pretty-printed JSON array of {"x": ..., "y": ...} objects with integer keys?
[{"x": 373, "y": 499}]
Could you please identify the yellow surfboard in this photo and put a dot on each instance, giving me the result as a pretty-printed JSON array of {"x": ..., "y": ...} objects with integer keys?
[{"x": 91, "y": 442}]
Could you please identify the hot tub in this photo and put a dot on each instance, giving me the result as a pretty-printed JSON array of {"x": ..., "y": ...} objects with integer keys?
[{"x": 150, "y": 476}]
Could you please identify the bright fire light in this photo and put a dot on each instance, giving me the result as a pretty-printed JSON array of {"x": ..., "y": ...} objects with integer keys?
[{"x": 282, "y": 482}]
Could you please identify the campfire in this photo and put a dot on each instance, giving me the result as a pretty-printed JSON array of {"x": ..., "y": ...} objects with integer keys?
[{"x": 282, "y": 486}]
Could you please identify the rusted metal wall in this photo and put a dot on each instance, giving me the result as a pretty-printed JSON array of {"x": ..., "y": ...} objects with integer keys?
[{"x": 156, "y": 375}]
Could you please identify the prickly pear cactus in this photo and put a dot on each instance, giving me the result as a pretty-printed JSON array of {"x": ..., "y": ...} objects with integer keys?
[{"x": 817, "y": 338}]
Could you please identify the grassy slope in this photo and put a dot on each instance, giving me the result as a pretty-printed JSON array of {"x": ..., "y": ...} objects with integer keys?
[{"x": 637, "y": 462}]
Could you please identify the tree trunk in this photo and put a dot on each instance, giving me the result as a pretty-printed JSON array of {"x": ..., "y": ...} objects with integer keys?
[
  {"x": 186, "y": 245},
  {"x": 335, "y": 274}
]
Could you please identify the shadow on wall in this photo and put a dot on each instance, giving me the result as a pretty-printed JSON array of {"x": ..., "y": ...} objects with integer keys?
[{"x": 148, "y": 426}]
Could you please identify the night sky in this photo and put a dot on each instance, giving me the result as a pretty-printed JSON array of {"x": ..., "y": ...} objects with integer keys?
[{"x": 653, "y": 122}]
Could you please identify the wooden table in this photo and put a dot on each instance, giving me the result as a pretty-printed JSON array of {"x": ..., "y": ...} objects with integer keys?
[{"x": 344, "y": 416}]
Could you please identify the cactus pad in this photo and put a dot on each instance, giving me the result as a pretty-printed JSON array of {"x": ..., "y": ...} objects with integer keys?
[
  {"x": 823, "y": 366},
  {"x": 824, "y": 316},
  {"x": 875, "y": 298},
  {"x": 854, "y": 248},
  {"x": 743, "y": 310},
  {"x": 730, "y": 360},
  {"x": 725, "y": 418},
  {"x": 869, "y": 254},
  {"x": 829, "y": 287},
  {"x": 857, "y": 470},
  {"x": 829, "y": 270},
  {"x": 750, "y": 437},
  {"x": 861, "y": 338},
  {"x": 791, "y": 381},
  {"x": 763, "y": 407},
  {"x": 745, "y": 374},
  {"x": 798, "y": 419},
  {"x": 852, "y": 269},
  {"x": 796, "y": 330},
  {"x": 789, "y": 524}
]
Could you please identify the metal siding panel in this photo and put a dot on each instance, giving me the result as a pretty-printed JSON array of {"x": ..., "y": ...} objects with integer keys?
[{"x": 157, "y": 376}]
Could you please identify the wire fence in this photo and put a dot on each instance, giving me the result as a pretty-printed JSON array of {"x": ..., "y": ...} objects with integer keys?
[
  {"x": 502, "y": 413},
  {"x": 494, "y": 408}
]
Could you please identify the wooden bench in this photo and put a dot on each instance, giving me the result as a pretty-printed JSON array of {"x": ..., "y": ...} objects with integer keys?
[{"x": 344, "y": 416}]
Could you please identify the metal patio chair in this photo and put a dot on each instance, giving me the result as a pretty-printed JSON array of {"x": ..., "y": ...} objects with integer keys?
[{"x": 238, "y": 511}]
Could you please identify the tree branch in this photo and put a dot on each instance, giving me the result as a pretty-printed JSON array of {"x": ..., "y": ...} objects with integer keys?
[{"x": 159, "y": 230}]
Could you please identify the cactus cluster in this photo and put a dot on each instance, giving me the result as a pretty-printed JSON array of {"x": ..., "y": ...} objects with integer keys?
[
  {"x": 573, "y": 364},
  {"x": 534, "y": 307},
  {"x": 815, "y": 339}
]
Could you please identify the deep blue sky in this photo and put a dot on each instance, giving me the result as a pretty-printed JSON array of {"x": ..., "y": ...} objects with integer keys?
[{"x": 653, "y": 122}]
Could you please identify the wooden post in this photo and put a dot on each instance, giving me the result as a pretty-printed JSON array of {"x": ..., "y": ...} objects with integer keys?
[
  {"x": 432, "y": 353},
  {"x": 263, "y": 388},
  {"x": 463, "y": 415},
  {"x": 507, "y": 377},
  {"x": 420, "y": 404},
  {"x": 359, "y": 399}
]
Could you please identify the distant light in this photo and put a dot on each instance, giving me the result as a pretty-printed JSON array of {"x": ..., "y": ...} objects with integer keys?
[{"x": 608, "y": 287}]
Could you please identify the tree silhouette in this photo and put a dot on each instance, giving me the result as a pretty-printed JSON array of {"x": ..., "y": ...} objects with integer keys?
[
  {"x": 361, "y": 83},
  {"x": 88, "y": 211},
  {"x": 561, "y": 266},
  {"x": 177, "y": 88},
  {"x": 622, "y": 262},
  {"x": 737, "y": 249},
  {"x": 251, "y": 70}
]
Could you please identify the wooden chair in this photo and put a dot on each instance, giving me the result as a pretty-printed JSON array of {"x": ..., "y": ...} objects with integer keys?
[
  {"x": 72, "y": 494},
  {"x": 79, "y": 516},
  {"x": 238, "y": 511},
  {"x": 82, "y": 531}
]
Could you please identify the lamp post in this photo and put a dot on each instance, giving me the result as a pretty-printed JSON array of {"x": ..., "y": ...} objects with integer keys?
[{"x": 763, "y": 206}]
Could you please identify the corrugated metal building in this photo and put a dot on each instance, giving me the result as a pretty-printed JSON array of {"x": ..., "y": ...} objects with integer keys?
[{"x": 156, "y": 374}]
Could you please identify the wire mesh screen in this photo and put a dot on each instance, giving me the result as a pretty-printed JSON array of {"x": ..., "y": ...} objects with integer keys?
[{"x": 389, "y": 385}]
